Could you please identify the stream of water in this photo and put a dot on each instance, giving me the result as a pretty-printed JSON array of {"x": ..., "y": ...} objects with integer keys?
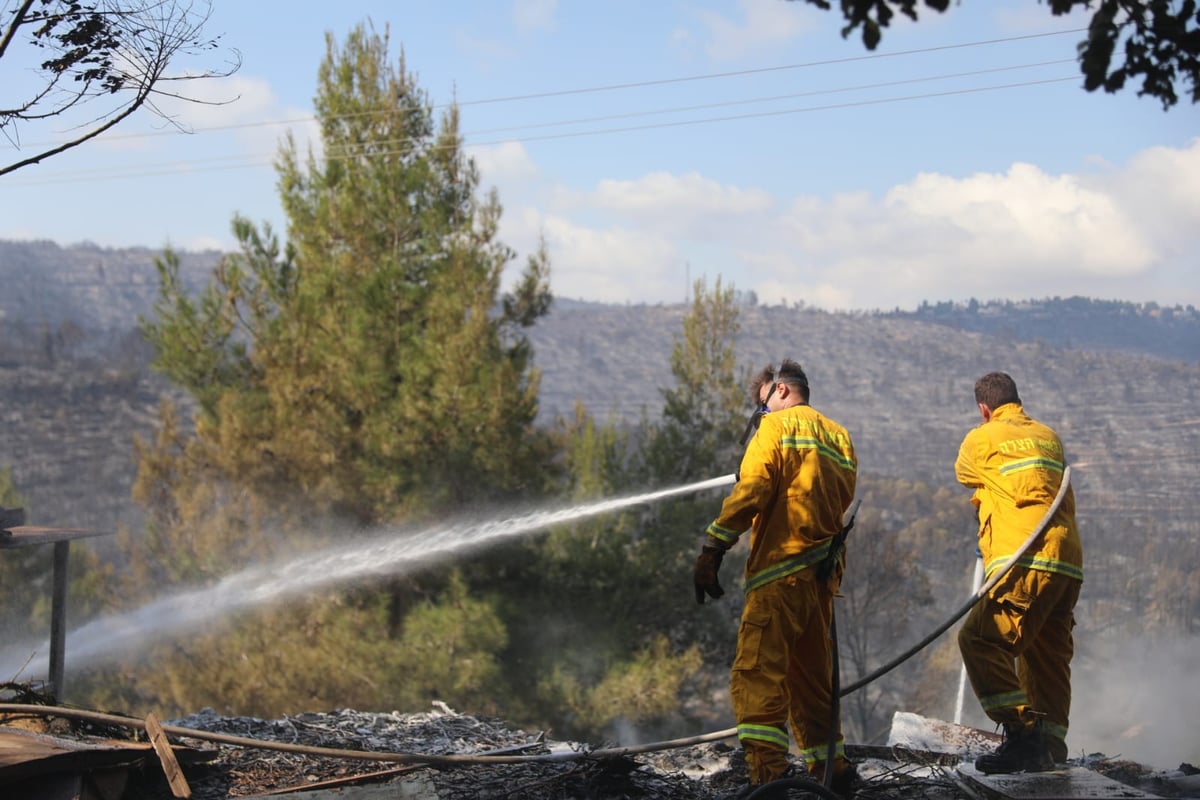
[{"x": 390, "y": 552}]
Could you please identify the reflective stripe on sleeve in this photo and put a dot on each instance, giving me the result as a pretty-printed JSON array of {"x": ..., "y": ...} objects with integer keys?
[{"x": 727, "y": 535}]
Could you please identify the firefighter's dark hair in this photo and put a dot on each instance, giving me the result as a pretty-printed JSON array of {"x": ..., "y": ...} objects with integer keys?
[
  {"x": 789, "y": 372},
  {"x": 763, "y": 377},
  {"x": 996, "y": 389}
]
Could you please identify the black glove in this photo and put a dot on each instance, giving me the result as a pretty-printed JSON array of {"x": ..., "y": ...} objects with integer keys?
[{"x": 708, "y": 563}]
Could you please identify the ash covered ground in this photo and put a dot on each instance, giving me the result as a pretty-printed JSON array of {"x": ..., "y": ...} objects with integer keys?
[{"x": 704, "y": 771}]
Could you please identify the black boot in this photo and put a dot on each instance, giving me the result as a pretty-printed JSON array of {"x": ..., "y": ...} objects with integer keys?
[
  {"x": 1023, "y": 750},
  {"x": 777, "y": 788},
  {"x": 845, "y": 783}
]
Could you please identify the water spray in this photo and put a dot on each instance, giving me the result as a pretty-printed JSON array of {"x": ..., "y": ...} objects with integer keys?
[{"x": 389, "y": 553}]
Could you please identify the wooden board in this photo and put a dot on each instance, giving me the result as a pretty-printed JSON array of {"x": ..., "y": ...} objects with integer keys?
[
  {"x": 24, "y": 754},
  {"x": 33, "y": 535},
  {"x": 158, "y": 738},
  {"x": 1069, "y": 783}
]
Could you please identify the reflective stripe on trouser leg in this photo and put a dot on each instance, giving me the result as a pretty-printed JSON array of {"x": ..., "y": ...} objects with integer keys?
[
  {"x": 1044, "y": 666},
  {"x": 813, "y": 755},
  {"x": 987, "y": 641},
  {"x": 781, "y": 670},
  {"x": 1006, "y": 704},
  {"x": 1027, "y": 617},
  {"x": 1056, "y": 741},
  {"x": 766, "y": 761}
]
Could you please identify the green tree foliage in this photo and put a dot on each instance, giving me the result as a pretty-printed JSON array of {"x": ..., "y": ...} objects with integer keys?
[
  {"x": 367, "y": 363},
  {"x": 622, "y": 641},
  {"x": 449, "y": 649},
  {"x": 199, "y": 522},
  {"x": 371, "y": 370},
  {"x": 1156, "y": 40},
  {"x": 334, "y": 650},
  {"x": 642, "y": 690},
  {"x": 323, "y": 652},
  {"x": 702, "y": 411},
  {"x": 703, "y": 415}
]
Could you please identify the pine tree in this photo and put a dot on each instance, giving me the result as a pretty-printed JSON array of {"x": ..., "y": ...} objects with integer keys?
[
  {"x": 368, "y": 371},
  {"x": 372, "y": 364}
]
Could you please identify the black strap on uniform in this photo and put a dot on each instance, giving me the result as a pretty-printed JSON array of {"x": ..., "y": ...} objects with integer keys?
[
  {"x": 751, "y": 426},
  {"x": 829, "y": 563},
  {"x": 756, "y": 417}
]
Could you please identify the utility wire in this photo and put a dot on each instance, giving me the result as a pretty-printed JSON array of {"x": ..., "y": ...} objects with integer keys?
[
  {"x": 761, "y": 70},
  {"x": 261, "y": 160},
  {"x": 769, "y": 99},
  {"x": 606, "y": 87}
]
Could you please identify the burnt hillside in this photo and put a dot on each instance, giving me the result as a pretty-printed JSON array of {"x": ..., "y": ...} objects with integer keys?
[{"x": 77, "y": 386}]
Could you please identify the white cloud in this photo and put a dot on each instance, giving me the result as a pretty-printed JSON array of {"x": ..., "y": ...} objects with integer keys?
[
  {"x": 223, "y": 101},
  {"x": 235, "y": 116},
  {"x": 1019, "y": 233},
  {"x": 1124, "y": 232},
  {"x": 798, "y": 286},
  {"x": 531, "y": 15},
  {"x": 1023, "y": 223},
  {"x": 759, "y": 24},
  {"x": 1159, "y": 190},
  {"x": 507, "y": 163},
  {"x": 687, "y": 203},
  {"x": 200, "y": 244},
  {"x": 1115, "y": 233},
  {"x": 612, "y": 265}
]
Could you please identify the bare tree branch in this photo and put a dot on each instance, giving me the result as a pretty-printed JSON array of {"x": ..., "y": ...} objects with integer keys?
[
  {"x": 119, "y": 50},
  {"x": 11, "y": 31}
]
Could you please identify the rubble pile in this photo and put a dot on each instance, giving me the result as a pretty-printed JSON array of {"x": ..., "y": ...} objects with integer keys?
[
  {"x": 349, "y": 754},
  {"x": 708, "y": 771}
]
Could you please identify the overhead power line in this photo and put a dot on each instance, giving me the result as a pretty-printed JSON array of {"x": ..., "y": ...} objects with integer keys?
[
  {"x": 761, "y": 70},
  {"x": 608, "y": 87},
  {"x": 773, "y": 98},
  {"x": 399, "y": 146}
]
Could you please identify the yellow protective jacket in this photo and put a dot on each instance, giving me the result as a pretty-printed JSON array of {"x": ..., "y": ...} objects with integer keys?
[
  {"x": 796, "y": 480},
  {"x": 1015, "y": 465}
]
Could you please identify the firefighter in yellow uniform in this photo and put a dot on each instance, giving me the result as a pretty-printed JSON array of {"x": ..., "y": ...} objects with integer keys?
[
  {"x": 796, "y": 481},
  {"x": 1015, "y": 465}
]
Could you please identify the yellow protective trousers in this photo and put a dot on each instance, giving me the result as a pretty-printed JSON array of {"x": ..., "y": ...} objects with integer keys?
[
  {"x": 1028, "y": 618},
  {"x": 783, "y": 672}
]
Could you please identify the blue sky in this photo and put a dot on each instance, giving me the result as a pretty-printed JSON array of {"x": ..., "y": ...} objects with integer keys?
[{"x": 651, "y": 144}]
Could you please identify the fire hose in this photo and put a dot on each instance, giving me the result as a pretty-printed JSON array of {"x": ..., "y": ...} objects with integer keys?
[
  {"x": 571, "y": 755},
  {"x": 982, "y": 592}
]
